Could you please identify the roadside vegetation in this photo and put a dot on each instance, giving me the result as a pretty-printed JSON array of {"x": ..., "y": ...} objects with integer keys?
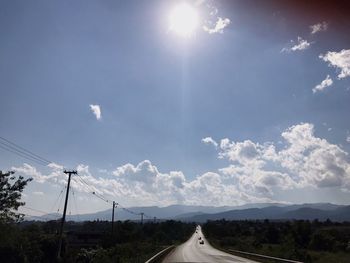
[
  {"x": 85, "y": 242},
  {"x": 307, "y": 241},
  {"x": 89, "y": 241}
]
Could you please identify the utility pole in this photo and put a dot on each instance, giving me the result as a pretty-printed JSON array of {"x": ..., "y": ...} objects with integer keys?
[
  {"x": 142, "y": 218},
  {"x": 64, "y": 212},
  {"x": 154, "y": 219},
  {"x": 114, "y": 206}
]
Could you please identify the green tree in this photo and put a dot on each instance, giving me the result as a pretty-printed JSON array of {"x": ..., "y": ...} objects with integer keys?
[{"x": 11, "y": 188}]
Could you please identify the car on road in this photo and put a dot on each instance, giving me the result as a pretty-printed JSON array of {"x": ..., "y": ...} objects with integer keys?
[
  {"x": 199, "y": 238},
  {"x": 201, "y": 242}
]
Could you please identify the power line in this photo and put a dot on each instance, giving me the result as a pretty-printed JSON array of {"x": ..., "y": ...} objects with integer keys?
[
  {"x": 100, "y": 197},
  {"x": 75, "y": 203},
  {"x": 20, "y": 147},
  {"x": 40, "y": 217},
  {"x": 93, "y": 191},
  {"x": 29, "y": 155},
  {"x": 60, "y": 202},
  {"x": 105, "y": 199},
  {"x": 129, "y": 211},
  {"x": 8, "y": 148},
  {"x": 57, "y": 199},
  {"x": 84, "y": 182},
  {"x": 69, "y": 205},
  {"x": 19, "y": 150},
  {"x": 40, "y": 211}
]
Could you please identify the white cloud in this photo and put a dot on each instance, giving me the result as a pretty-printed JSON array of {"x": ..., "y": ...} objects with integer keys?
[
  {"x": 220, "y": 24},
  {"x": 38, "y": 193},
  {"x": 55, "y": 166},
  {"x": 257, "y": 181},
  {"x": 31, "y": 171},
  {"x": 306, "y": 160},
  {"x": 339, "y": 60},
  {"x": 144, "y": 184},
  {"x": 254, "y": 173},
  {"x": 209, "y": 140},
  {"x": 143, "y": 172},
  {"x": 314, "y": 161},
  {"x": 96, "y": 110},
  {"x": 323, "y": 26},
  {"x": 327, "y": 82},
  {"x": 301, "y": 44},
  {"x": 211, "y": 188}
]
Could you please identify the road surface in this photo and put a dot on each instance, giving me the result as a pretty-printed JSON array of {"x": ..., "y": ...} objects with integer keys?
[{"x": 193, "y": 251}]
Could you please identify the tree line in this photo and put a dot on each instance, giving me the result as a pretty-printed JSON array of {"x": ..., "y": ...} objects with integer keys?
[
  {"x": 90, "y": 241},
  {"x": 307, "y": 241}
]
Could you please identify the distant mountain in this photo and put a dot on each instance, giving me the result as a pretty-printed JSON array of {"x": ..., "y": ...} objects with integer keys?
[
  {"x": 320, "y": 211},
  {"x": 341, "y": 213},
  {"x": 169, "y": 212},
  {"x": 258, "y": 205},
  {"x": 321, "y": 206},
  {"x": 188, "y": 215}
]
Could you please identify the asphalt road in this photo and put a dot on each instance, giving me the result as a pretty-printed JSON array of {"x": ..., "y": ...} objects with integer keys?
[{"x": 193, "y": 251}]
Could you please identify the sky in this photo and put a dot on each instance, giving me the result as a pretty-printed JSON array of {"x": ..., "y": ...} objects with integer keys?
[{"x": 177, "y": 102}]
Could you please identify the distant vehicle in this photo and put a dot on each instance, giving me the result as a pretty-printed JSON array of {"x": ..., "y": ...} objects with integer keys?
[
  {"x": 201, "y": 242},
  {"x": 199, "y": 238}
]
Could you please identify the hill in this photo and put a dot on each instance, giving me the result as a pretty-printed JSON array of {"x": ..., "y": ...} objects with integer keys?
[{"x": 320, "y": 211}]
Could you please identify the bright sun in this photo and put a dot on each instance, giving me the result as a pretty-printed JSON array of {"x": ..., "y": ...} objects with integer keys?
[{"x": 184, "y": 20}]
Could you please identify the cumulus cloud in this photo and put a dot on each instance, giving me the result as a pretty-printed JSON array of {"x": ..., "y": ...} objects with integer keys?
[
  {"x": 96, "y": 110},
  {"x": 315, "y": 161},
  {"x": 255, "y": 171},
  {"x": 257, "y": 181},
  {"x": 301, "y": 44},
  {"x": 306, "y": 160},
  {"x": 319, "y": 27},
  {"x": 143, "y": 172},
  {"x": 144, "y": 184},
  {"x": 327, "y": 82},
  {"x": 340, "y": 60},
  {"x": 219, "y": 26},
  {"x": 31, "y": 171},
  {"x": 173, "y": 187},
  {"x": 241, "y": 152},
  {"x": 209, "y": 140},
  {"x": 55, "y": 166}
]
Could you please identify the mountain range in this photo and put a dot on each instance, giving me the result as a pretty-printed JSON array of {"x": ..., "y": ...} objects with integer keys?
[{"x": 258, "y": 211}]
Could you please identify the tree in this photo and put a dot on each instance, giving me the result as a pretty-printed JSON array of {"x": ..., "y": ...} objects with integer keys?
[{"x": 11, "y": 189}]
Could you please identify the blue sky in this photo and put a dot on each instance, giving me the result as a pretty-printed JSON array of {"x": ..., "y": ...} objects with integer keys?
[{"x": 160, "y": 94}]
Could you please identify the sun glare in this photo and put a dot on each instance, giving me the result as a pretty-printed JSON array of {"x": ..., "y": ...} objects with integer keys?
[{"x": 184, "y": 20}]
